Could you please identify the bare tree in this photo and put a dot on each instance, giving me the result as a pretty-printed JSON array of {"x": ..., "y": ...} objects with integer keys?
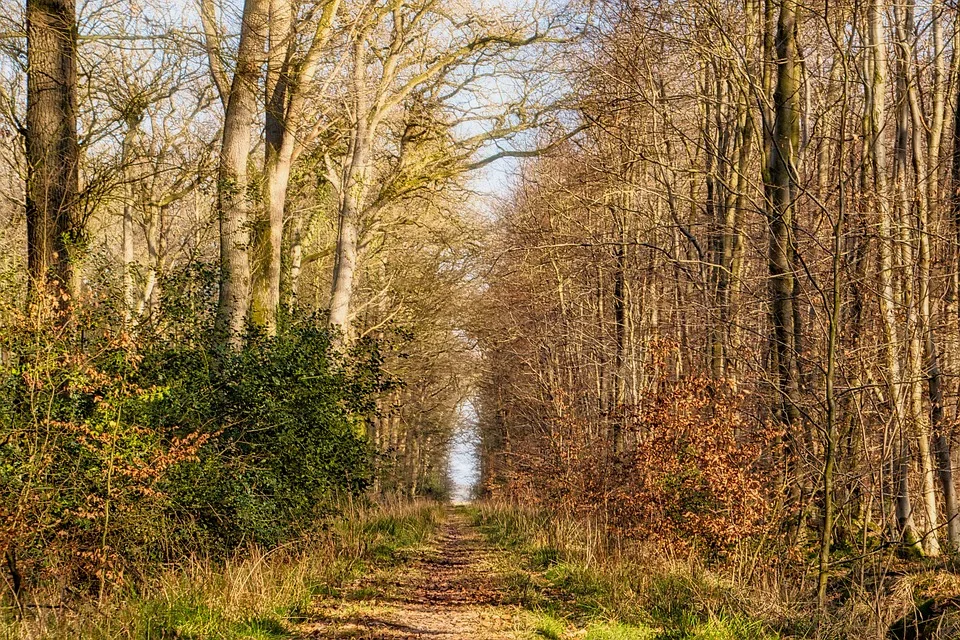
[{"x": 394, "y": 56}]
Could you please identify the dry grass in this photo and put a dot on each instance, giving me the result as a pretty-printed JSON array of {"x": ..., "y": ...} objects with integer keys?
[
  {"x": 258, "y": 594},
  {"x": 574, "y": 579},
  {"x": 575, "y": 575}
]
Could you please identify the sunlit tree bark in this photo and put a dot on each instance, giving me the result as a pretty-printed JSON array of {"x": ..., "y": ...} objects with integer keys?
[
  {"x": 233, "y": 202},
  {"x": 54, "y": 231}
]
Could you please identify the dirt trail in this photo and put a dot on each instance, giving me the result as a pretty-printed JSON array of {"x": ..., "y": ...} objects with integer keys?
[{"x": 447, "y": 591}]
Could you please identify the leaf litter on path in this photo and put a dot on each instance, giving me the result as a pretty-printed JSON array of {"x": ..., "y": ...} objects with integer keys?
[{"x": 448, "y": 591}]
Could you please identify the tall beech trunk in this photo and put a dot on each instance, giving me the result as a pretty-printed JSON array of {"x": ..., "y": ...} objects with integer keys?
[
  {"x": 836, "y": 318},
  {"x": 733, "y": 238},
  {"x": 727, "y": 150},
  {"x": 713, "y": 205},
  {"x": 347, "y": 250},
  {"x": 278, "y": 160},
  {"x": 953, "y": 325},
  {"x": 128, "y": 195},
  {"x": 232, "y": 199},
  {"x": 286, "y": 91},
  {"x": 888, "y": 289},
  {"x": 130, "y": 177},
  {"x": 941, "y": 435},
  {"x": 352, "y": 193},
  {"x": 153, "y": 232},
  {"x": 52, "y": 151},
  {"x": 913, "y": 207},
  {"x": 620, "y": 311},
  {"x": 782, "y": 148},
  {"x": 830, "y": 448}
]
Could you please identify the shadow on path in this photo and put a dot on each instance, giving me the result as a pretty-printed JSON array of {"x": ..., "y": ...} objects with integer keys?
[{"x": 448, "y": 591}]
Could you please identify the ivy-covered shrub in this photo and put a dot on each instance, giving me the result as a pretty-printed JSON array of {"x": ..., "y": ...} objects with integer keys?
[{"x": 124, "y": 447}]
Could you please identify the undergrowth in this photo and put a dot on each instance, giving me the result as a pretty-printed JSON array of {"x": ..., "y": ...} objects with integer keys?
[
  {"x": 257, "y": 594},
  {"x": 579, "y": 581},
  {"x": 574, "y": 585}
]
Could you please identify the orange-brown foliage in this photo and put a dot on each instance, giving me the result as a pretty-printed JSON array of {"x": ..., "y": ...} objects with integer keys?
[{"x": 680, "y": 468}]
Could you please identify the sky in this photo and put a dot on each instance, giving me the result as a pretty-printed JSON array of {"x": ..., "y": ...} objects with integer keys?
[{"x": 464, "y": 466}]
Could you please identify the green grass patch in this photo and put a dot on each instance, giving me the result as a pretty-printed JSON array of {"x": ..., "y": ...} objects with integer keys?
[
  {"x": 618, "y": 631},
  {"x": 576, "y": 591},
  {"x": 546, "y": 626},
  {"x": 181, "y": 620},
  {"x": 580, "y": 583},
  {"x": 544, "y": 557},
  {"x": 261, "y": 629}
]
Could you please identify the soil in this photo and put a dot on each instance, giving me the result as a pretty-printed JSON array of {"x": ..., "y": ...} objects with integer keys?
[{"x": 447, "y": 591}]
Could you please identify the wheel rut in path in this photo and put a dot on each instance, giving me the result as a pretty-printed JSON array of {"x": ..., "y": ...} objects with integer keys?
[{"x": 448, "y": 591}]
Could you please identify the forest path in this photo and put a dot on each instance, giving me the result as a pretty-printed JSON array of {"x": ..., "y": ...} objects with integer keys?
[{"x": 448, "y": 590}]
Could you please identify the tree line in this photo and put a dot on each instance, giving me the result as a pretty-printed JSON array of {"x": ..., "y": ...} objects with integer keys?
[
  {"x": 761, "y": 210},
  {"x": 238, "y": 239}
]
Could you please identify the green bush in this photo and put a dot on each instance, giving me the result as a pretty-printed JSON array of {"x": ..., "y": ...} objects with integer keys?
[
  {"x": 122, "y": 448},
  {"x": 288, "y": 417}
]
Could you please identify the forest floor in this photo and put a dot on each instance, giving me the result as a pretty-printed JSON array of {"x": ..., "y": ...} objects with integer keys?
[
  {"x": 449, "y": 589},
  {"x": 486, "y": 572},
  {"x": 423, "y": 570}
]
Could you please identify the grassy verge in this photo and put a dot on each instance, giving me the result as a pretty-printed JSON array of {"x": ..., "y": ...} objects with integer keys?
[
  {"x": 574, "y": 586},
  {"x": 259, "y": 595}
]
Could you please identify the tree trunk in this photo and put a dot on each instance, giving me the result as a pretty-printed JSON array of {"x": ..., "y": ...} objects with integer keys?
[
  {"x": 232, "y": 198},
  {"x": 953, "y": 324},
  {"x": 54, "y": 229},
  {"x": 888, "y": 289},
  {"x": 129, "y": 179},
  {"x": 830, "y": 448},
  {"x": 294, "y": 264},
  {"x": 781, "y": 194},
  {"x": 268, "y": 230},
  {"x": 153, "y": 232},
  {"x": 346, "y": 259},
  {"x": 620, "y": 334},
  {"x": 914, "y": 294},
  {"x": 942, "y": 439},
  {"x": 711, "y": 133},
  {"x": 352, "y": 192}
]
